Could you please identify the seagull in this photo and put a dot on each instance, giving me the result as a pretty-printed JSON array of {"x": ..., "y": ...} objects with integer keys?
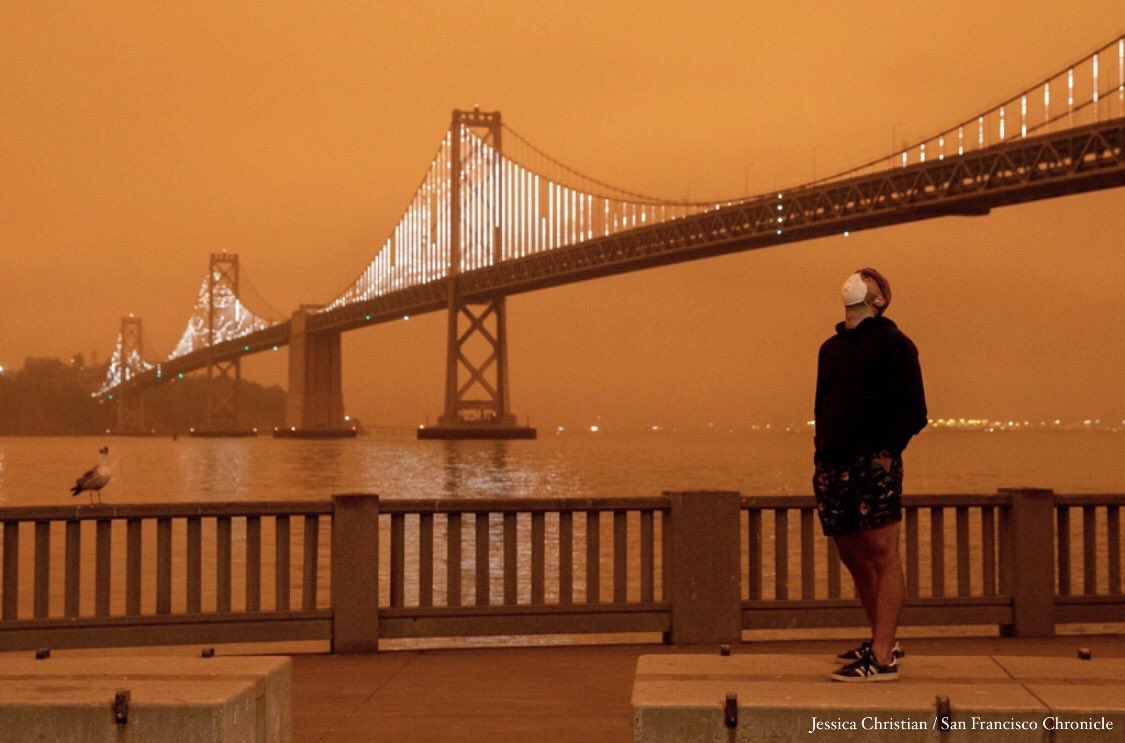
[{"x": 94, "y": 479}]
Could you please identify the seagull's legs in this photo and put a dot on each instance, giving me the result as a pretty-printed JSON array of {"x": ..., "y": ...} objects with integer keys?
[{"x": 91, "y": 492}]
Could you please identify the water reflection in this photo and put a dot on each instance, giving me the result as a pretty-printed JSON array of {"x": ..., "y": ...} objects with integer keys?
[
  {"x": 396, "y": 465},
  {"x": 476, "y": 468}
]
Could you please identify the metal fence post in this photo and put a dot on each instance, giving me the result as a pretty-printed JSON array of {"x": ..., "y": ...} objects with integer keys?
[
  {"x": 704, "y": 583},
  {"x": 355, "y": 573},
  {"x": 1030, "y": 536}
]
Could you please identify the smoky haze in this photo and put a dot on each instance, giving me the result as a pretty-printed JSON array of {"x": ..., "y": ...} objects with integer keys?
[{"x": 135, "y": 139}]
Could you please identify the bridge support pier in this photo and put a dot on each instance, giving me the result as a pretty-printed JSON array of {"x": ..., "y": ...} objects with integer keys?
[
  {"x": 130, "y": 414},
  {"x": 477, "y": 407},
  {"x": 314, "y": 406}
]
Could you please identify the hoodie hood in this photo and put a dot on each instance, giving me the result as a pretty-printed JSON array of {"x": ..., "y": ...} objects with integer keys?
[{"x": 867, "y": 324}]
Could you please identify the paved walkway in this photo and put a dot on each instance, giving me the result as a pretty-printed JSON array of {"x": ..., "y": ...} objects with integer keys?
[{"x": 568, "y": 693}]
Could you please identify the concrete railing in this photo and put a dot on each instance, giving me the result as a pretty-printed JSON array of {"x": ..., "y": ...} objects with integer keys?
[{"x": 693, "y": 566}]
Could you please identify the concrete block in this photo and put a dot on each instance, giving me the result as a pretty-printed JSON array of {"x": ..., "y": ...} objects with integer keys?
[
  {"x": 1065, "y": 669},
  {"x": 788, "y": 697},
  {"x": 269, "y": 676},
  {"x": 1084, "y": 712},
  {"x": 63, "y": 710}
]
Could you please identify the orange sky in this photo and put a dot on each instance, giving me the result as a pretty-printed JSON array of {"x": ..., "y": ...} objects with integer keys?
[{"x": 137, "y": 138}]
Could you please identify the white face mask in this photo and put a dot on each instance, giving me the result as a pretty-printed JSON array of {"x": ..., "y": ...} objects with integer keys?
[{"x": 854, "y": 290}]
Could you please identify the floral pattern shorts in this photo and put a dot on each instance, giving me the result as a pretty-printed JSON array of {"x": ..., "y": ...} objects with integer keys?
[{"x": 858, "y": 496}]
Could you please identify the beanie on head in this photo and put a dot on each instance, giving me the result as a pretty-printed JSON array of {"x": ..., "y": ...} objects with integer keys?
[{"x": 881, "y": 282}]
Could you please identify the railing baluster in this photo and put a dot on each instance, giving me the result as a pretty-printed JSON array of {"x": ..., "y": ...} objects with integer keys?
[
  {"x": 510, "y": 558},
  {"x": 808, "y": 555},
  {"x": 1004, "y": 565},
  {"x": 193, "y": 573},
  {"x": 311, "y": 556},
  {"x": 42, "y": 568},
  {"x": 961, "y": 515},
  {"x": 222, "y": 562},
  {"x": 538, "y": 556},
  {"x": 781, "y": 553},
  {"x": 648, "y": 557},
  {"x": 937, "y": 551},
  {"x": 620, "y": 557},
  {"x": 1113, "y": 547},
  {"x": 1089, "y": 550},
  {"x": 426, "y": 559},
  {"x": 11, "y": 569},
  {"x": 1062, "y": 515},
  {"x": 566, "y": 557},
  {"x": 398, "y": 558},
  {"x": 73, "y": 562},
  {"x": 666, "y": 559},
  {"x": 910, "y": 516},
  {"x": 281, "y": 548},
  {"x": 593, "y": 556},
  {"x": 483, "y": 587},
  {"x": 453, "y": 559},
  {"x": 164, "y": 566},
  {"x": 103, "y": 540},
  {"x": 253, "y": 563},
  {"x": 988, "y": 549},
  {"x": 132, "y": 567},
  {"x": 754, "y": 550},
  {"x": 833, "y": 570}
]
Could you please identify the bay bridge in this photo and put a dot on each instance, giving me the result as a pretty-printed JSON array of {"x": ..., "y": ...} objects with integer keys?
[{"x": 494, "y": 216}]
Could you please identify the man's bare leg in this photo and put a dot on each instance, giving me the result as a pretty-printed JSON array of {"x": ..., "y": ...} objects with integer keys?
[
  {"x": 883, "y": 555},
  {"x": 853, "y": 553}
]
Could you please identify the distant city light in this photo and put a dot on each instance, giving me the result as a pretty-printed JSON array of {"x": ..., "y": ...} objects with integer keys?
[
  {"x": 845, "y": 233},
  {"x": 347, "y": 417},
  {"x": 406, "y": 317},
  {"x": 593, "y": 429}
]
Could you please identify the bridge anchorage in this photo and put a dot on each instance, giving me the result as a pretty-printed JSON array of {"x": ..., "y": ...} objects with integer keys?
[
  {"x": 314, "y": 406},
  {"x": 476, "y": 407}
]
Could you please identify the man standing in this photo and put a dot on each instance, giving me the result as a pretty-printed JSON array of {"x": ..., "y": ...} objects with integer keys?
[{"x": 869, "y": 403}]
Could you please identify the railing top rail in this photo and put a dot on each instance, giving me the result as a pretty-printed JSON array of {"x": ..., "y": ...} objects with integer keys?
[
  {"x": 165, "y": 510},
  {"x": 489, "y": 504},
  {"x": 909, "y": 500},
  {"x": 1091, "y": 499},
  {"x": 494, "y": 505}
]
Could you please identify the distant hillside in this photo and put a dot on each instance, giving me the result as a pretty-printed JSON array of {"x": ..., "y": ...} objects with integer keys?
[{"x": 52, "y": 397}]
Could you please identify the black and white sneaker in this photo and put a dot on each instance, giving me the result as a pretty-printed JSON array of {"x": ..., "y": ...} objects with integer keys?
[
  {"x": 857, "y": 652},
  {"x": 866, "y": 669}
]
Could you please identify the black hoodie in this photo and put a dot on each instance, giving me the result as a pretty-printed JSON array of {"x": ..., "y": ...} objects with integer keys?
[{"x": 869, "y": 393}]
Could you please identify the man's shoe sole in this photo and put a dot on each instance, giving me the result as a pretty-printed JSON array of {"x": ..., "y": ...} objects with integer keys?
[{"x": 865, "y": 679}]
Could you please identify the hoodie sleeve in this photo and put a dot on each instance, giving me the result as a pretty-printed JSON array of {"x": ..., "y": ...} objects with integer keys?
[
  {"x": 818, "y": 400},
  {"x": 906, "y": 403}
]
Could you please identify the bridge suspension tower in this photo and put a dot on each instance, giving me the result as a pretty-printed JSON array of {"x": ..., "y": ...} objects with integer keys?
[
  {"x": 130, "y": 355},
  {"x": 477, "y": 405}
]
